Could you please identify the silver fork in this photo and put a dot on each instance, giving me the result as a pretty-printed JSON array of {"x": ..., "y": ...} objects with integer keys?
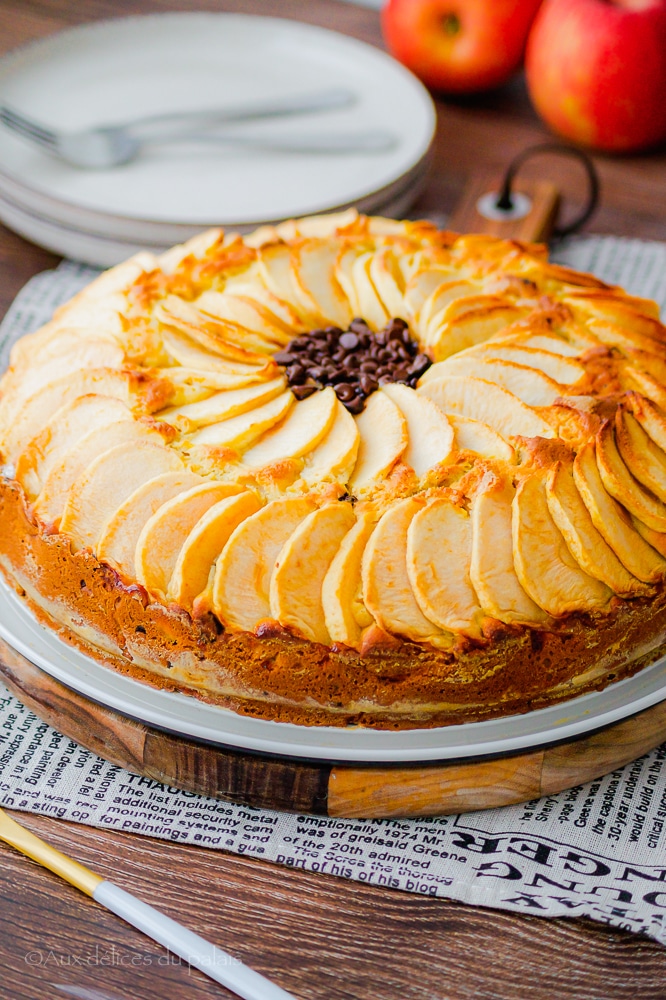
[{"x": 113, "y": 145}]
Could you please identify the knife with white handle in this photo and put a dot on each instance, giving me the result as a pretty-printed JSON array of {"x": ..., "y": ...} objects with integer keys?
[{"x": 215, "y": 963}]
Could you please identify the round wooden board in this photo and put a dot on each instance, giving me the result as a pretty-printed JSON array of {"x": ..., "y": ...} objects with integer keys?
[{"x": 327, "y": 789}]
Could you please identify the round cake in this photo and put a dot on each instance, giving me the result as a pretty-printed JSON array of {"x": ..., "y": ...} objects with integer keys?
[{"x": 345, "y": 471}]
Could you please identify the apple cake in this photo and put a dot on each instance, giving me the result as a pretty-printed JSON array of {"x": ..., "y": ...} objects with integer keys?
[{"x": 345, "y": 471}]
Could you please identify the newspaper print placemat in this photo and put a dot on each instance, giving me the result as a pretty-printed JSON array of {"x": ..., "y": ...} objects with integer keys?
[{"x": 597, "y": 850}]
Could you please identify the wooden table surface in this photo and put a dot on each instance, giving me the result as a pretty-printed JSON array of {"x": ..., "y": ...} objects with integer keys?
[{"x": 318, "y": 936}]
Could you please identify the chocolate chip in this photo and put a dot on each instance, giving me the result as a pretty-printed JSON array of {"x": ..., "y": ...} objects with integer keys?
[
  {"x": 345, "y": 392},
  {"x": 419, "y": 365},
  {"x": 285, "y": 358},
  {"x": 355, "y": 405},
  {"x": 349, "y": 341},
  {"x": 303, "y": 391},
  {"x": 296, "y": 374},
  {"x": 355, "y": 362},
  {"x": 368, "y": 384}
]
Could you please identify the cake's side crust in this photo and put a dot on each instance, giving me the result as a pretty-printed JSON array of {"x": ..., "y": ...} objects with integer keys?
[{"x": 273, "y": 675}]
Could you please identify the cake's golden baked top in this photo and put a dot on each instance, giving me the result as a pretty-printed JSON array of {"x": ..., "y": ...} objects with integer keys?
[{"x": 498, "y": 457}]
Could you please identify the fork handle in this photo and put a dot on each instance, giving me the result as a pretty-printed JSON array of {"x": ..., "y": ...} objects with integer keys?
[
  {"x": 300, "y": 104},
  {"x": 195, "y": 950}
]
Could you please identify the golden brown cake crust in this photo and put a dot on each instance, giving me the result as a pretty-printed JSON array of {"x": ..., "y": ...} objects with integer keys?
[
  {"x": 273, "y": 675},
  {"x": 344, "y": 471}
]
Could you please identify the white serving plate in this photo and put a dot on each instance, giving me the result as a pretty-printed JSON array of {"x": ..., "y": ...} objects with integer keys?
[
  {"x": 105, "y": 250},
  {"x": 147, "y": 233},
  {"x": 114, "y": 70},
  {"x": 187, "y": 716}
]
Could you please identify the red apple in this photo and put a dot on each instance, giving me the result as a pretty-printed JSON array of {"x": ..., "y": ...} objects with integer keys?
[
  {"x": 459, "y": 46},
  {"x": 596, "y": 71}
]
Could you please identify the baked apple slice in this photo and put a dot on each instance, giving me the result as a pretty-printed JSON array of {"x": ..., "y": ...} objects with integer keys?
[
  {"x": 421, "y": 285},
  {"x": 657, "y": 539},
  {"x": 546, "y": 569},
  {"x": 387, "y": 280},
  {"x": 531, "y": 341},
  {"x": 643, "y": 383},
  {"x": 480, "y": 438},
  {"x": 431, "y": 314},
  {"x": 276, "y": 273},
  {"x": 110, "y": 479},
  {"x": 333, "y": 459},
  {"x": 300, "y": 568},
  {"x": 164, "y": 534},
  {"x": 585, "y": 543},
  {"x": 303, "y": 428},
  {"x": 242, "y": 431},
  {"x": 60, "y": 479},
  {"x": 650, "y": 419},
  {"x": 190, "y": 354},
  {"x": 117, "y": 543},
  {"x": 254, "y": 289},
  {"x": 222, "y": 405},
  {"x": 383, "y": 439},
  {"x": 86, "y": 355},
  {"x": 642, "y": 457},
  {"x": 344, "y": 275},
  {"x": 467, "y": 322},
  {"x": 430, "y": 438},
  {"x": 387, "y": 589},
  {"x": 529, "y": 385},
  {"x": 491, "y": 570},
  {"x": 345, "y": 613},
  {"x": 619, "y": 482},
  {"x": 68, "y": 425},
  {"x": 204, "y": 543},
  {"x": 209, "y": 334},
  {"x": 140, "y": 392},
  {"x": 439, "y": 552},
  {"x": 248, "y": 314},
  {"x": 482, "y": 400},
  {"x": 370, "y": 305},
  {"x": 629, "y": 312},
  {"x": 560, "y": 369},
  {"x": 612, "y": 521},
  {"x": 241, "y": 586},
  {"x": 313, "y": 276}
]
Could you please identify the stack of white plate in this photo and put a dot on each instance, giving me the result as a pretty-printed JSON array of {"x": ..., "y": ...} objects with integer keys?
[{"x": 114, "y": 71}]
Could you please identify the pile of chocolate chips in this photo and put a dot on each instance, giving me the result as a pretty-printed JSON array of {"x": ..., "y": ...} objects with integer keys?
[{"x": 354, "y": 361}]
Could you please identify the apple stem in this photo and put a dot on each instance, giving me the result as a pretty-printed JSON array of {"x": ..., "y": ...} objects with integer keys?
[{"x": 451, "y": 24}]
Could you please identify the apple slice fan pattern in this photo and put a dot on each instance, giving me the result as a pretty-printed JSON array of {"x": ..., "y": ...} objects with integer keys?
[{"x": 344, "y": 469}]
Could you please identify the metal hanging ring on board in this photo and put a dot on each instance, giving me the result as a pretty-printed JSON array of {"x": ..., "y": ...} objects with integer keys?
[{"x": 505, "y": 201}]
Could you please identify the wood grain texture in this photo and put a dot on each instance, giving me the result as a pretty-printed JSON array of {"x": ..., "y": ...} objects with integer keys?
[
  {"x": 455, "y": 788},
  {"x": 246, "y": 779},
  {"x": 535, "y": 227},
  {"x": 434, "y": 790},
  {"x": 319, "y": 936},
  {"x": 368, "y": 792}
]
